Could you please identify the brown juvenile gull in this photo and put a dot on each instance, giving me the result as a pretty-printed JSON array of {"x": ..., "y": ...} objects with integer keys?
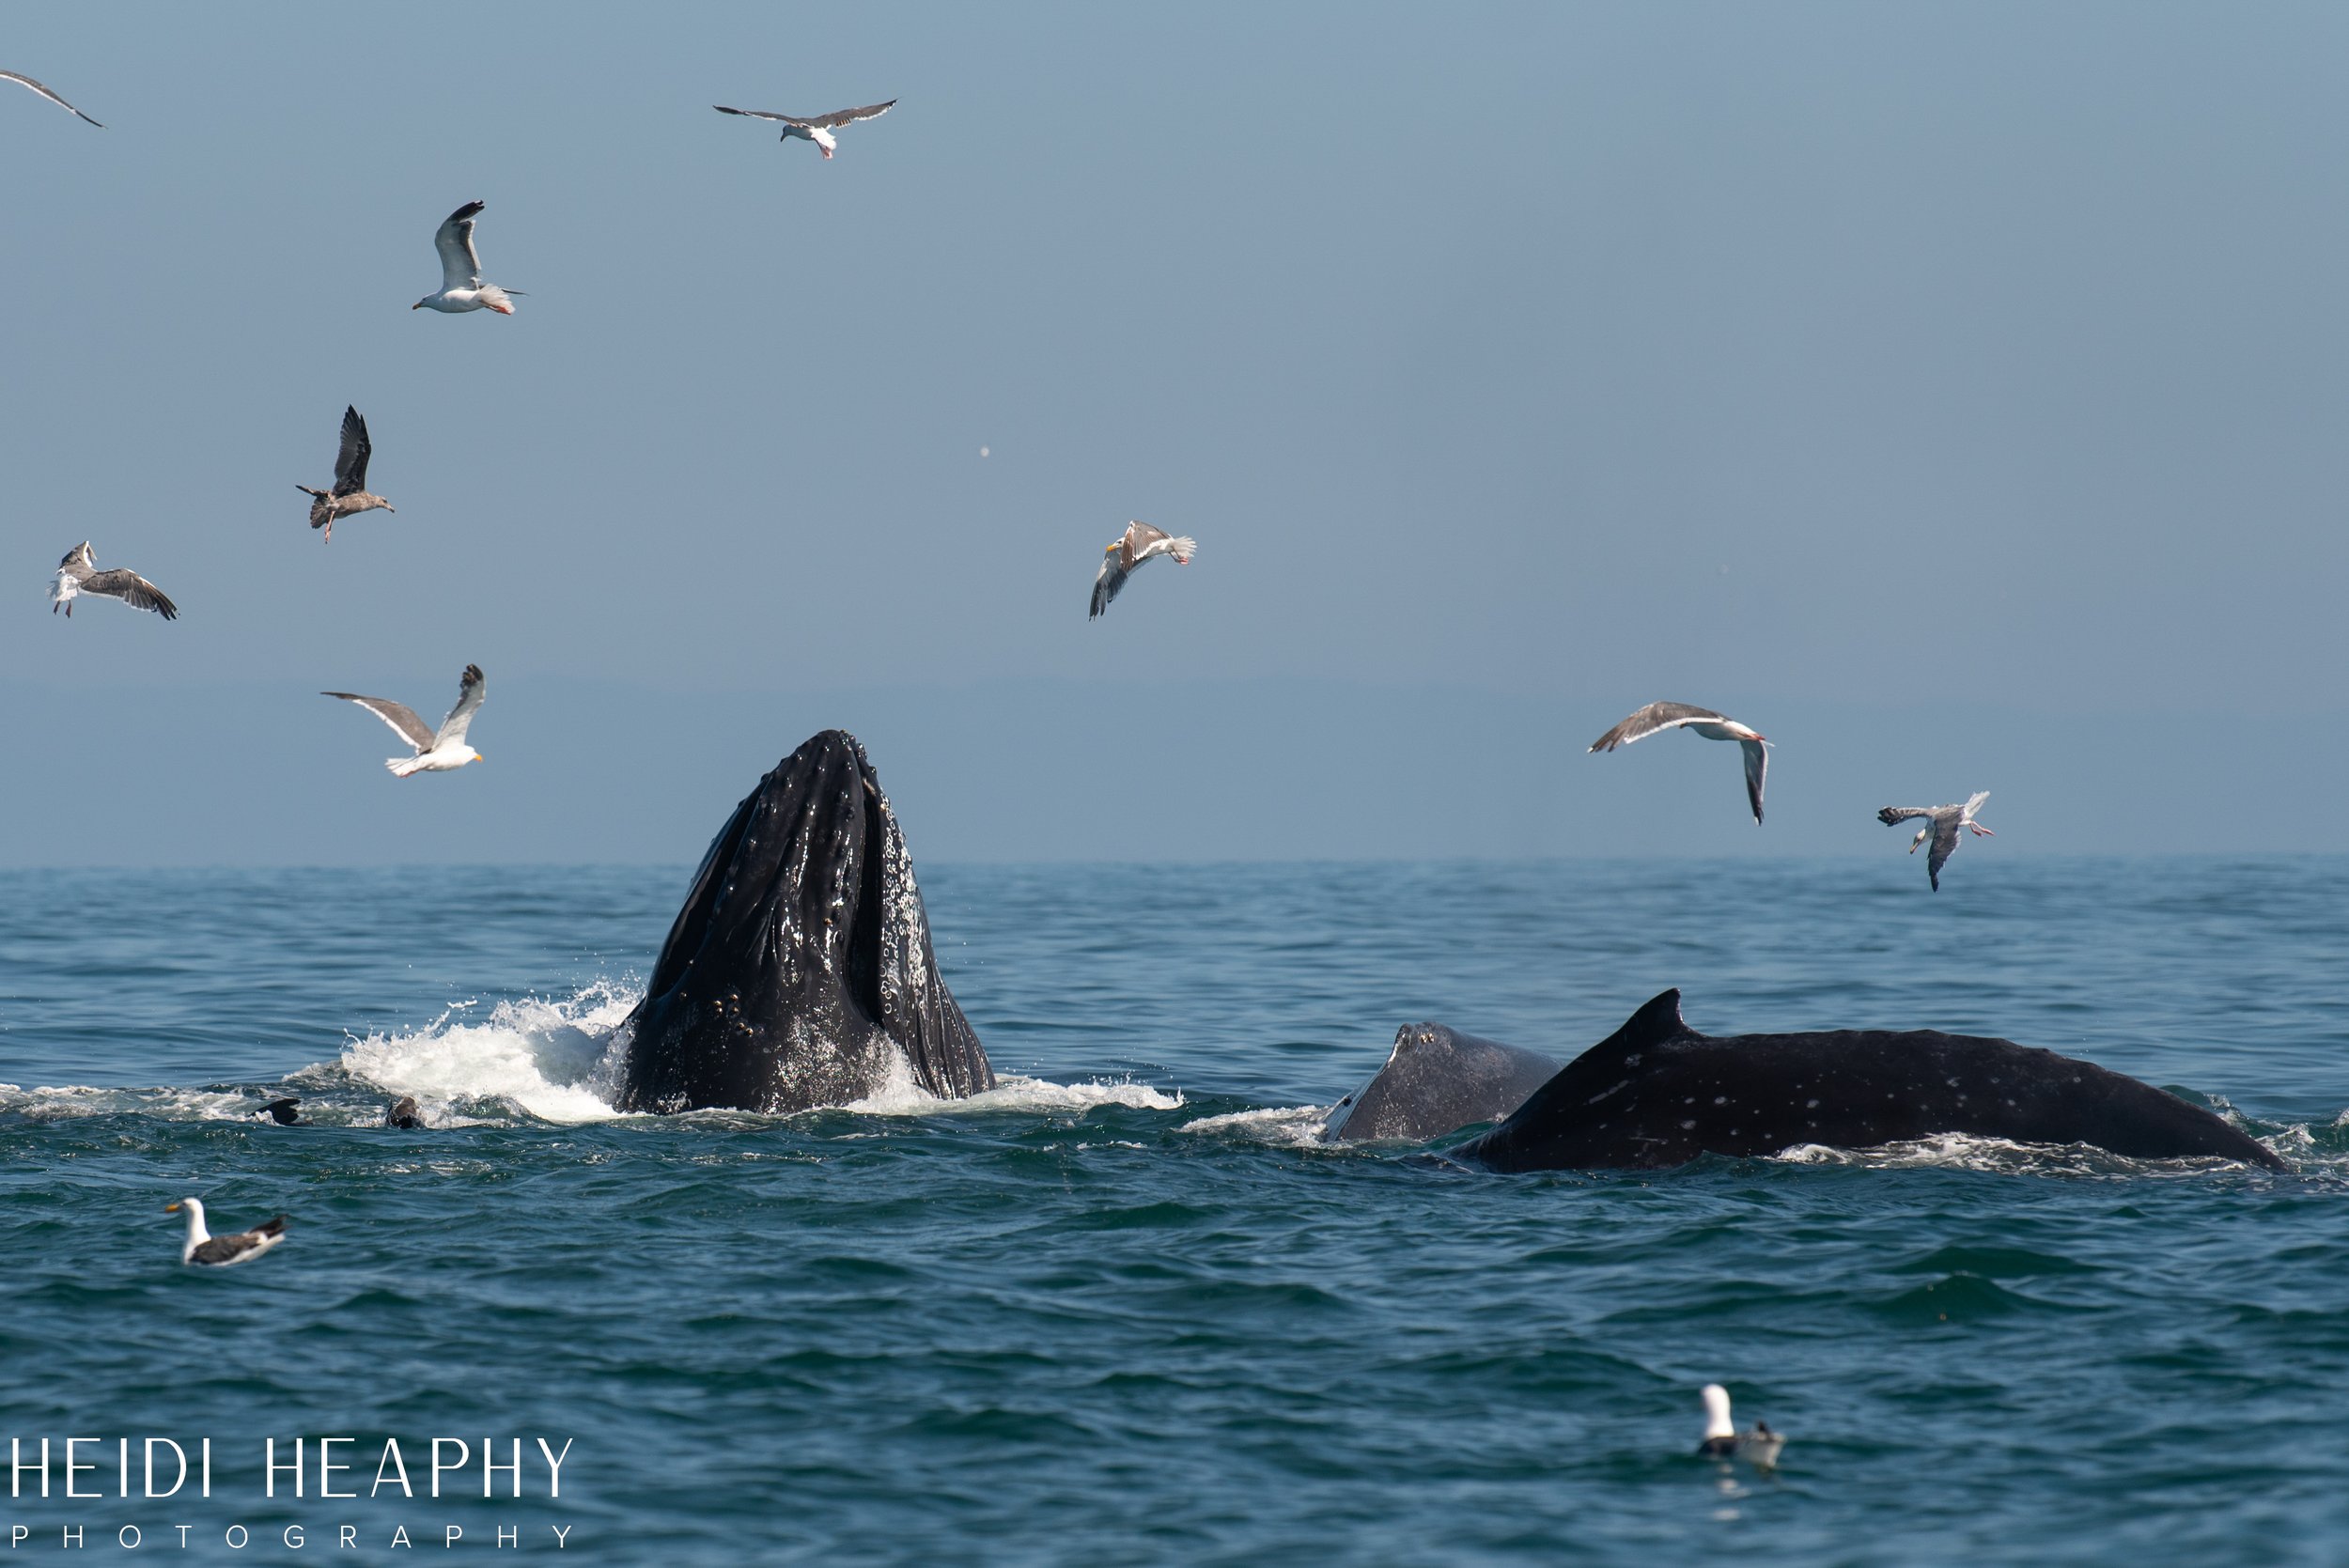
[
  {"x": 1705, "y": 722},
  {"x": 461, "y": 289},
  {"x": 1126, "y": 553},
  {"x": 219, "y": 1251},
  {"x": 350, "y": 494},
  {"x": 18, "y": 76},
  {"x": 78, "y": 574},
  {"x": 1942, "y": 828},
  {"x": 814, "y": 127},
  {"x": 437, "y": 751},
  {"x": 1722, "y": 1439}
]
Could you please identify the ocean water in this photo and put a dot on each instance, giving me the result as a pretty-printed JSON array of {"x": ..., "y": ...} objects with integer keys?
[{"x": 1122, "y": 1310}]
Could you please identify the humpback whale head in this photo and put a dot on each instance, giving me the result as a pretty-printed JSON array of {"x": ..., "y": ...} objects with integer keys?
[{"x": 799, "y": 971}]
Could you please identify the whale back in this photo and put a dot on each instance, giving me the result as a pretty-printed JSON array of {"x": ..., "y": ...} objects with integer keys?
[
  {"x": 799, "y": 971},
  {"x": 1656, "y": 1093},
  {"x": 1438, "y": 1080}
]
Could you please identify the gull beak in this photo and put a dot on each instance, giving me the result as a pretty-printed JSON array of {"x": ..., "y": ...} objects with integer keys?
[
  {"x": 418, "y": 305},
  {"x": 171, "y": 1208}
]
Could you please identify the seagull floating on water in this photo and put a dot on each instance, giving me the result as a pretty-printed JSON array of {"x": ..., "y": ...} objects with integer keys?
[
  {"x": 1705, "y": 722},
  {"x": 814, "y": 127},
  {"x": 461, "y": 289},
  {"x": 219, "y": 1251},
  {"x": 1942, "y": 828},
  {"x": 1125, "y": 556},
  {"x": 18, "y": 76},
  {"x": 78, "y": 574},
  {"x": 349, "y": 495},
  {"x": 437, "y": 751},
  {"x": 1722, "y": 1440}
]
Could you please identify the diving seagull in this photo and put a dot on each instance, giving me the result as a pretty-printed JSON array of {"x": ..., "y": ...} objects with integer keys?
[
  {"x": 461, "y": 289},
  {"x": 78, "y": 574},
  {"x": 219, "y": 1251},
  {"x": 437, "y": 751},
  {"x": 1942, "y": 826},
  {"x": 1705, "y": 722},
  {"x": 814, "y": 127},
  {"x": 1722, "y": 1440},
  {"x": 1126, "y": 553},
  {"x": 350, "y": 494},
  {"x": 17, "y": 76}
]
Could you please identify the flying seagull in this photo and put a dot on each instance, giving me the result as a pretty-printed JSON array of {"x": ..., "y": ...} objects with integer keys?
[
  {"x": 219, "y": 1251},
  {"x": 1705, "y": 722},
  {"x": 350, "y": 494},
  {"x": 15, "y": 76},
  {"x": 814, "y": 127},
  {"x": 77, "y": 574},
  {"x": 1942, "y": 828},
  {"x": 1722, "y": 1439},
  {"x": 1126, "y": 553},
  {"x": 461, "y": 289},
  {"x": 437, "y": 751}
]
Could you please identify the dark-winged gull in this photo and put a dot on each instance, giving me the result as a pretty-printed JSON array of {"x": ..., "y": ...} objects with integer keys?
[
  {"x": 350, "y": 494},
  {"x": 437, "y": 751},
  {"x": 1722, "y": 1440},
  {"x": 1126, "y": 553},
  {"x": 814, "y": 127},
  {"x": 219, "y": 1251},
  {"x": 1705, "y": 722},
  {"x": 52, "y": 97},
  {"x": 285, "y": 1112},
  {"x": 78, "y": 574},
  {"x": 461, "y": 289},
  {"x": 1942, "y": 828}
]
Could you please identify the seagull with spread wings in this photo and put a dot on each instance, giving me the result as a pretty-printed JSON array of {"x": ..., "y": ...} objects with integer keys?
[
  {"x": 1705, "y": 722},
  {"x": 1125, "y": 556},
  {"x": 350, "y": 494},
  {"x": 1941, "y": 826},
  {"x": 461, "y": 289},
  {"x": 814, "y": 127},
  {"x": 437, "y": 751},
  {"x": 78, "y": 574},
  {"x": 18, "y": 76}
]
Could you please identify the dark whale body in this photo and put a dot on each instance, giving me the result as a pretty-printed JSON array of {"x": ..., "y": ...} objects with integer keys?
[
  {"x": 1656, "y": 1093},
  {"x": 1438, "y": 1080},
  {"x": 799, "y": 971}
]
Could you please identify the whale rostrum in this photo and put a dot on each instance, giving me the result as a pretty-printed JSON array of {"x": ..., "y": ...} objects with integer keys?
[
  {"x": 799, "y": 971},
  {"x": 1438, "y": 1080},
  {"x": 1656, "y": 1093}
]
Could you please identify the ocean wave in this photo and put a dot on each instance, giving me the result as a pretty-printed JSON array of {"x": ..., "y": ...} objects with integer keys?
[
  {"x": 1291, "y": 1126},
  {"x": 1958, "y": 1151}
]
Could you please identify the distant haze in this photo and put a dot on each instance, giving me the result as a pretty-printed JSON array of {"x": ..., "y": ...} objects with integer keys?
[{"x": 1954, "y": 394}]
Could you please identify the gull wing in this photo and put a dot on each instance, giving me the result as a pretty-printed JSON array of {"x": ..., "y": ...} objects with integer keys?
[
  {"x": 839, "y": 118},
  {"x": 400, "y": 716},
  {"x": 350, "y": 463},
  {"x": 16, "y": 76},
  {"x": 1757, "y": 769},
  {"x": 1105, "y": 583},
  {"x": 1655, "y": 716},
  {"x": 1944, "y": 846},
  {"x": 1891, "y": 815},
  {"x": 460, "y": 267},
  {"x": 1139, "y": 538},
  {"x": 78, "y": 561},
  {"x": 471, "y": 688},
  {"x": 132, "y": 589}
]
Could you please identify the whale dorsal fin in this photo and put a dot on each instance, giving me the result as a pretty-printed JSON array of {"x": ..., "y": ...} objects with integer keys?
[{"x": 1659, "y": 1020}]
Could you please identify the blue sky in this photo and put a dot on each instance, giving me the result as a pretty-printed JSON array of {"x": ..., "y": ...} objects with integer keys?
[{"x": 1955, "y": 393}]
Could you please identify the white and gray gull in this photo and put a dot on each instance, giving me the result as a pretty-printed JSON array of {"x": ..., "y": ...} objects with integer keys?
[
  {"x": 814, "y": 127},
  {"x": 78, "y": 574},
  {"x": 1942, "y": 827},
  {"x": 437, "y": 751},
  {"x": 1722, "y": 1440},
  {"x": 461, "y": 289},
  {"x": 1127, "y": 552},
  {"x": 1705, "y": 722},
  {"x": 52, "y": 97},
  {"x": 349, "y": 495},
  {"x": 208, "y": 1250}
]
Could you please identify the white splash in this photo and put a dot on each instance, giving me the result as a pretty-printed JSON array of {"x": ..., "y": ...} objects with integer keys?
[
  {"x": 546, "y": 1059},
  {"x": 1289, "y": 1125},
  {"x": 902, "y": 1097}
]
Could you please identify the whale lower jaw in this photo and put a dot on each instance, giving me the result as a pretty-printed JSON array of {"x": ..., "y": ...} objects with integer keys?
[{"x": 799, "y": 971}]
